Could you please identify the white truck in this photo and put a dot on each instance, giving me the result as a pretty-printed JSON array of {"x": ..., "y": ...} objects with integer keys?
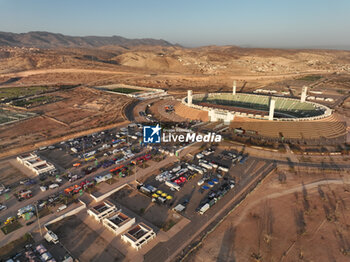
[
  {"x": 204, "y": 208},
  {"x": 196, "y": 168},
  {"x": 63, "y": 207},
  {"x": 172, "y": 185},
  {"x": 224, "y": 169},
  {"x": 202, "y": 164}
]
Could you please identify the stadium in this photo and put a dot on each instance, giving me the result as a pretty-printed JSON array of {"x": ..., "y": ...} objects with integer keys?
[
  {"x": 258, "y": 106},
  {"x": 266, "y": 116}
]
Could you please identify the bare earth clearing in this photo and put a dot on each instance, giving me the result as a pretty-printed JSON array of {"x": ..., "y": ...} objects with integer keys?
[{"x": 304, "y": 218}]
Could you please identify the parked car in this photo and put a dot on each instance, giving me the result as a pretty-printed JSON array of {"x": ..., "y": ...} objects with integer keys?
[
  {"x": 53, "y": 186},
  {"x": 61, "y": 208},
  {"x": 29, "y": 223}
]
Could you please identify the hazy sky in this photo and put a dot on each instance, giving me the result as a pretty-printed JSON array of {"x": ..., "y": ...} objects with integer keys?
[{"x": 258, "y": 23}]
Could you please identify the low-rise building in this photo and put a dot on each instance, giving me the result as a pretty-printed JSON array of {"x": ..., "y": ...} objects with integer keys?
[
  {"x": 138, "y": 235},
  {"x": 118, "y": 222},
  {"x": 26, "y": 157},
  {"x": 102, "y": 210},
  {"x": 35, "y": 163}
]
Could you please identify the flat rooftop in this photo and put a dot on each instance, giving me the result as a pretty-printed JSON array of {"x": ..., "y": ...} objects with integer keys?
[
  {"x": 138, "y": 231},
  {"x": 118, "y": 219},
  {"x": 27, "y": 155},
  {"x": 42, "y": 166},
  {"x": 35, "y": 160},
  {"x": 101, "y": 207}
]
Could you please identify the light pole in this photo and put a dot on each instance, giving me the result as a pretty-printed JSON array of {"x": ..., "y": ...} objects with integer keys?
[{"x": 37, "y": 215}]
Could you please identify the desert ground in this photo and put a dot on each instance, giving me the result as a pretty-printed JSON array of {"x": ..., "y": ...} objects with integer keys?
[
  {"x": 173, "y": 68},
  {"x": 294, "y": 215},
  {"x": 80, "y": 109}
]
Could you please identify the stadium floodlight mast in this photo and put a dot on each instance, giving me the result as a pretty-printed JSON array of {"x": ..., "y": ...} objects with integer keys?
[
  {"x": 272, "y": 108},
  {"x": 37, "y": 215},
  {"x": 189, "y": 97},
  {"x": 303, "y": 94}
]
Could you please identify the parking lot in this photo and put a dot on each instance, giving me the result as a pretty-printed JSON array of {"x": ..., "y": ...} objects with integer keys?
[
  {"x": 204, "y": 178},
  {"x": 47, "y": 191}
]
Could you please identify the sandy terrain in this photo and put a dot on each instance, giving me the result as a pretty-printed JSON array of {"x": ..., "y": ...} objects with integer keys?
[{"x": 303, "y": 218}]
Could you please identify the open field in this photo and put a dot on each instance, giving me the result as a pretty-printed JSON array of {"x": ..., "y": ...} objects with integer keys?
[
  {"x": 291, "y": 216},
  {"x": 81, "y": 109},
  {"x": 8, "y": 115},
  {"x": 36, "y": 101},
  {"x": 15, "y": 92},
  {"x": 125, "y": 90}
]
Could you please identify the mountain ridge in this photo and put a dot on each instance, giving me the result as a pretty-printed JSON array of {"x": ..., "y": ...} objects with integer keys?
[{"x": 43, "y": 39}]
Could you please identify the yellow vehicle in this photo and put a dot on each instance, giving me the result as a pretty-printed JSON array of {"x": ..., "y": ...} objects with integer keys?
[
  {"x": 155, "y": 195},
  {"x": 10, "y": 220},
  {"x": 89, "y": 158}
]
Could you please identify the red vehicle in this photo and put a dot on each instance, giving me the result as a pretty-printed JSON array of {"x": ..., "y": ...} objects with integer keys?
[
  {"x": 117, "y": 169},
  {"x": 69, "y": 190},
  {"x": 182, "y": 179},
  {"x": 77, "y": 188},
  {"x": 177, "y": 181},
  {"x": 141, "y": 159},
  {"x": 25, "y": 194},
  {"x": 88, "y": 184}
]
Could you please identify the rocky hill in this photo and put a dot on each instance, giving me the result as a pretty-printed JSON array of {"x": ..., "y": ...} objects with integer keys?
[{"x": 51, "y": 40}]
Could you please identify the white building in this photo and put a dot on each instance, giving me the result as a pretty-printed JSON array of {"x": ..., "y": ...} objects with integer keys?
[
  {"x": 25, "y": 157},
  {"x": 102, "y": 210},
  {"x": 35, "y": 163},
  {"x": 138, "y": 235},
  {"x": 118, "y": 222}
]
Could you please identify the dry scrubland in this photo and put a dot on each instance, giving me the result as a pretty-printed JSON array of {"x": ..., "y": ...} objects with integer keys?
[
  {"x": 174, "y": 68},
  {"x": 168, "y": 67},
  {"x": 292, "y": 216}
]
